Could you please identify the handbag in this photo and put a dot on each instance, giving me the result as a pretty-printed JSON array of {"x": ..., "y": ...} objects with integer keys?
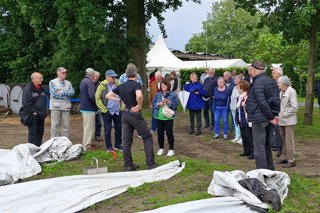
[
  {"x": 166, "y": 111},
  {"x": 275, "y": 139}
]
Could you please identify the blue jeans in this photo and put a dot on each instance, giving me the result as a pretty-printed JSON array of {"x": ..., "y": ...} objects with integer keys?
[
  {"x": 107, "y": 122},
  {"x": 221, "y": 112},
  {"x": 236, "y": 126},
  {"x": 153, "y": 122}
]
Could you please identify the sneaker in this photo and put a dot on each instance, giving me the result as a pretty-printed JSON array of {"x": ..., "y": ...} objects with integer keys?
[
  {"x": 160, "y": 152},
  {"x": 110, "y": 150},
  {"x": 234, "y": 140},
  {"x": 133, "y": 167},
  {"x": 98, "y": 138},
  {"x": 152, "y": 166},
  {"x": 197, "y": 133},
  {"x": 289, "y": 165},
  {"x": 153, "y": 131},
  {"x": 118, "y": 149},
  {"x": 170, "y": 153},
  {"x": 191, "y": 132},
  {"x": 216, "y": 136},
  {"x": 239, "y": 141},
  {"x": 225, "y": 137}
]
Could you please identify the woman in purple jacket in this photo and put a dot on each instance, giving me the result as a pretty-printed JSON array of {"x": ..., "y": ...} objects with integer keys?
[{"x": 195, "y": 103}]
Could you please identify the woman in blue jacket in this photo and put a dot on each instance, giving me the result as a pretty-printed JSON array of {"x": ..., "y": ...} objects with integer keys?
[
  {"x": 165, "y": 124},
  {"x": 222, "y": 98},
  {"x": 195, "y": 103}
]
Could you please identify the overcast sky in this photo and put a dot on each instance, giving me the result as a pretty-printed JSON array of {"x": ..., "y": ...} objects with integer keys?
[{"x": 182, "y": 24}]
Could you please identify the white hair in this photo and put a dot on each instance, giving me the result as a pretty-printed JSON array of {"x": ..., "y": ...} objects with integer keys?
[
  {"x": 90, "y": 71},
  {"x": 284, "y": 80},
  {"x": 157, "y": 74},
  {"x": 278, "y": 70}
]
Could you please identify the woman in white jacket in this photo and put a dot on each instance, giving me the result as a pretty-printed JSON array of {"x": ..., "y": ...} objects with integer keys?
[{"x": 288, "y": 120}]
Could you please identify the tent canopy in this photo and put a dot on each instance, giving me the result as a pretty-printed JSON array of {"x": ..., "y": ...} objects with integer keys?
[
  {"x": 225, "y": 63},
  {"x": 161, "y": 57}
]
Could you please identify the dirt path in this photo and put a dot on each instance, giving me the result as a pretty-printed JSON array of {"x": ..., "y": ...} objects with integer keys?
[{"x": 197, "y": 147}]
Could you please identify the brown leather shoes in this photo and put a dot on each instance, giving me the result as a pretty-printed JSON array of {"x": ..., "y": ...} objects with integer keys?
[{"x": 289, "y": 165}]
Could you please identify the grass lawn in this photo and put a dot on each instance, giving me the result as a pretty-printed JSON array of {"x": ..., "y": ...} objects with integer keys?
[{"x": 193, "y": 181}]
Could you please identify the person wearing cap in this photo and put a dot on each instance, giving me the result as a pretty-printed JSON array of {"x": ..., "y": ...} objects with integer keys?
[
  {"x": 88, "y": 108},
  {"x": 131, "y": 94},
  {"x": 61, "y": 91},
  {"x": 263, "y": 107},
  {"x": 111, "y": 111},
  {"x": 34, "y": 105}
]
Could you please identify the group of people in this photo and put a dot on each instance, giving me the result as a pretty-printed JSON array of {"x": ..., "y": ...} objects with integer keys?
[{"x": 255, "y": 102}]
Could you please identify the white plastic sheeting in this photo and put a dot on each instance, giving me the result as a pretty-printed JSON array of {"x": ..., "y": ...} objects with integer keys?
[
  {"x": 211, "y": 205},
  {"x": 226, "y": 184},
  {"x": 224, "y": 63},
  {"x": 22, "y": 161},
  {"x": 74, "y": 193}
]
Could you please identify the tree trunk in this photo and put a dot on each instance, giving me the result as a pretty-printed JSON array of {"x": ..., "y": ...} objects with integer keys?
[
  {"x": 136, "y": 35},
  {"x": 308, "y": 111}
]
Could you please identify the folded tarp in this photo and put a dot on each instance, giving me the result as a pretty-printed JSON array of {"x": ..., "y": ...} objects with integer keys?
[
  {"x": 226, "y": 184},
  {"x": 74, "y": 193},
  {"x": 211, "y": 205},
  {"x": 236, "y": 197},
  {"x": 23, "y": 160}
]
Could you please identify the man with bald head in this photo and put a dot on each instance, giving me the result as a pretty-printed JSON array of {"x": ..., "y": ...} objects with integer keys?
[
  {"x": 277, "y": 72},
  {"x": 34, "y": 106}
]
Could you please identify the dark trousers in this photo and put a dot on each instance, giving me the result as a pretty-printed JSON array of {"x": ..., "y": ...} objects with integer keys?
[
  {"x": 107, "y": 122},
  {"x": 196, "y": 113},
  {"x": 208, "y": 107},
  {"x": 153, "y": 122},
  {"x": 168, "y": 127},
  {"x": 131, "y": 121},
  {"x": 247, "y": 140},
  {"x": 36, "y": 130},
  {"x": 98, "y": 125},
  {"x": 261, "y": 145}
]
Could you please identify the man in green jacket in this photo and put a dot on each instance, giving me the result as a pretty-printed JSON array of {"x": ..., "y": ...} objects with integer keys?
[{"x": 110, "y": 110}]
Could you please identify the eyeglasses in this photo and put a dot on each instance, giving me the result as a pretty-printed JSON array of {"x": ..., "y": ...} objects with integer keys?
[{"x": 113, "y": 76}]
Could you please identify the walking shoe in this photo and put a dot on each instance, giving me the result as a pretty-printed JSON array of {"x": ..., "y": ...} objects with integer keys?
[
  {"x": 133, "y": 167},
  {"x": 98, "y": 138},
  {"x": 244, "y": 154},
  {"x": 282, "y": 162},
  {"x": 153, "y": 131},
  {"x": 198, "y": 133},
  {"x": 216, "y": 136},
  {"x": 118, "y": 149},
  {"x": 251, "y": 157},
  {"x": 239, "y": 141},
  {"x": 152, "y": 166},
  {"x": 191, "y": 132},
  {"x": 160, "y": 152},
  {"x": 110, "y": 150},
  {"x": 225, "y": 137},
  {"x": 170, "y": 153},
  {"x": 289, "y": 165},
  {"x": 235, "y": 140}
]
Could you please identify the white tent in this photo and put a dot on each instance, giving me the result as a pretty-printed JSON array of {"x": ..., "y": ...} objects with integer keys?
[
  {"x": 225, "y": 63},
  {"x": 161, "y": 57}
]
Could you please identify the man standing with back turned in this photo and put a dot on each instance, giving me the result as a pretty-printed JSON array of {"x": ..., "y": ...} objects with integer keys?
[
  {"x": 263, "y": 107},
  {"x": 130, "y": 93}
]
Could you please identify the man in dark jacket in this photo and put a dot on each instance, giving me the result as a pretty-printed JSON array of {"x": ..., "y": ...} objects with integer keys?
[
  {"x": 88, "y": 108},
  {"x": 34, "y": 105},
  {"x": 263, "y": 106},
  {"x": 209, "y": 84}
]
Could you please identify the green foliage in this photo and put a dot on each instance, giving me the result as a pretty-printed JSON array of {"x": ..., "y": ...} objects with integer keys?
[{"x": 229, "y": 31}]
